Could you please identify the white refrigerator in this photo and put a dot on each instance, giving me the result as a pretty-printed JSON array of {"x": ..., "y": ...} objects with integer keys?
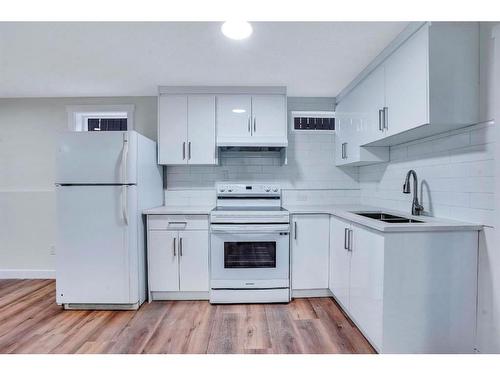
[{"x": 103, "y": 182}]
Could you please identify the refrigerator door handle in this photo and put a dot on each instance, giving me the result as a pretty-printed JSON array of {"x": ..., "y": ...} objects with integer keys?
[
  {"x": 124, "y": 204},
  {"x": 123, "y": 166}
]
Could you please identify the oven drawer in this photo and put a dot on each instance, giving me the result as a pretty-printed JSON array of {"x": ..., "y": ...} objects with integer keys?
[
  {"x": 177, "y": 222},
  {"x": 250, "y": 284}
]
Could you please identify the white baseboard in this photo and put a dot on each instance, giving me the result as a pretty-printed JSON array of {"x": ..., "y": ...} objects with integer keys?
[
  {"x": 181, "y": 296},
  {"x": 311, "y": 293},
  {"x": 27, "y": 274}
]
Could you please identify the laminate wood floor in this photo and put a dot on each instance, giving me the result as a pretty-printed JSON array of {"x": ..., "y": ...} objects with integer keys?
[{"x": 31, "y": 322}]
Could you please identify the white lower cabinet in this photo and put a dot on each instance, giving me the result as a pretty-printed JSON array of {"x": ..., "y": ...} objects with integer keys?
[
  {"x": 310, "y": 243},
  {"x": 367, "y": 281},
  {"x": 177, "y": 258},
  {"x": 340, "y": 260},
  {"x": 193, "y": 261},
  {"x": 408, "y": 292},
  {"x": 163, "y": 260}
]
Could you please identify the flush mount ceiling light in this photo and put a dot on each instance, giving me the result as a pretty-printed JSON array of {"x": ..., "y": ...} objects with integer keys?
[
  {"x": 239, "y": 110},
  {"x": 236, "y": 30}
]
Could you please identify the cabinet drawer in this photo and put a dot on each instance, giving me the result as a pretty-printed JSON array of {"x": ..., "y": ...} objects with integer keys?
[{"x": 177, "y": 222}]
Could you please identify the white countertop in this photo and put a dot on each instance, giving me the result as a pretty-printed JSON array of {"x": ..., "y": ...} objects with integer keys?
[
  {"x": 178, "y": 210},
  {"x": 346, "y": 212}
]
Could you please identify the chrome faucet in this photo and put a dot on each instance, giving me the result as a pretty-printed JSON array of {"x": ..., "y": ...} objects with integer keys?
[{"x": 416, "y": 208}]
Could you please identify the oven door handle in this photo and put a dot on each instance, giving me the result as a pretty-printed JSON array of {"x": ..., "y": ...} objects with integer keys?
[{"x": 274, "y": 228}]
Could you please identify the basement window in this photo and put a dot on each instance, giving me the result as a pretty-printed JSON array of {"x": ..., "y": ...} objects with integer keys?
[{"x": 100, "y": 117}]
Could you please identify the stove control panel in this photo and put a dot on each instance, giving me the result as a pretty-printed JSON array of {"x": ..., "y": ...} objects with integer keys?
[{"x": 248, "y": 189}]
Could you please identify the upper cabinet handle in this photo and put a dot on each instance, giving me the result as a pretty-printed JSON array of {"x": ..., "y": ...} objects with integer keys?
[
  {"x": 380, "y": 116},
  {"x": 189, "y": 150},
  {"x": 346, "y": 235},
  {"x": 183, "y": 150},
  {"x": 386, "y": 118},
  {"x": 249, "y": 125},
  {"x": 255, "y": 124}
]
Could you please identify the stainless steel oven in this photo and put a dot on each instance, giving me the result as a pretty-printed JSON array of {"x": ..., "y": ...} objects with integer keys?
[{"x": 250, "y": 254}]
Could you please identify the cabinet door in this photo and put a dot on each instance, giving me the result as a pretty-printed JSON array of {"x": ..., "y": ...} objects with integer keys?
[
  {"x": 371, "y": 103},
  {"x": 201, "y": 129},
  {"x": 163, "y": 261},
  {"x": 366, "y": 283},
  {"x": 193, "y": 261},
  {"x": 346, "y": 145},
  {"x": 233, "y": 117},
  {"x": 310, "y": 247},
  {"x": 406, "y": 84},
  {"x": 172, "y": 129},
  {"x": 340, "y": 261},
  {"x": 269, "y": 117}
]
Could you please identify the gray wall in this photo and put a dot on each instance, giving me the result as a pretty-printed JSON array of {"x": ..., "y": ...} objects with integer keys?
[{"x": 27, "y": 151}]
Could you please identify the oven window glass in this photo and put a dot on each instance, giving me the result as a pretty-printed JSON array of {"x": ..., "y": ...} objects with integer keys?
[{"x": 250, "y": 254}]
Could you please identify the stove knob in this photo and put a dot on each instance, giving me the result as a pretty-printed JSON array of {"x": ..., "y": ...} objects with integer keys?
[
  {"x": 275, "y": 190},
  {"x": 222, "y": 190},
  {"x": 230, "y": 190},
  {"x": 268, "y": 190}
]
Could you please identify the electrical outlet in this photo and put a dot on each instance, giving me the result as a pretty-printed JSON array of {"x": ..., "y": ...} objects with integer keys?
[{"x": 52, "y": 250}]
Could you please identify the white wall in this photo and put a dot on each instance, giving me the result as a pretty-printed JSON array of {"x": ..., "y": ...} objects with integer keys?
[{"x": 27, "y": 153}]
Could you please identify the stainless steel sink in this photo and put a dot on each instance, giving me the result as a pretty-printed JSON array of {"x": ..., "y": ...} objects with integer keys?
[{"x": 387, "y": 218}]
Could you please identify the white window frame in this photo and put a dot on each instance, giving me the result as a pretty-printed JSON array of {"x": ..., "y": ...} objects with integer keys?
[{"x": 79, "y": 114}]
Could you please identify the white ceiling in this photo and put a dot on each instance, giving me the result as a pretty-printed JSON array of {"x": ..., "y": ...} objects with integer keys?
[{"x": 129, "y": 59}]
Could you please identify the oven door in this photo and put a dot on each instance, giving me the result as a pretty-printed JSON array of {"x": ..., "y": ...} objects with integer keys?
[{"x": 250, "y": 256}]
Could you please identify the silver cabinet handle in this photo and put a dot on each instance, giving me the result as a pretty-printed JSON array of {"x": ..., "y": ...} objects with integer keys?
[
  {"x": 386, "y": 118},
  {"x": 249, "y": 124},
  {"x": 255, "y": 124},
  {"x": 349, "y": 242},
  {"x": 346, "y": 235},
  {"x": 175, "y": 240},
  {"x": 294, "y": 230},
  {"x": 180, "y": 246},
  {"x": 344, "y": 150},
  {"x": 183, "y": 150},
  {"x": 380, "y": 115},
  {"x": 189, "y": 150}
]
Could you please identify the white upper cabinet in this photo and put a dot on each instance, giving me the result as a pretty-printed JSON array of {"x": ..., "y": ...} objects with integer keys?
[
  {"x": 252, "y": 120},
  {"x": 428, "y": 85},
  {"x": 186, "y": 129},
  {"x": 269, "y": 117},
  {"x": 406, "y": 85},
  {"x": 371, "y": 103},
  {"x": 234, "y": 117},
  {"x": 172, "y": 129},
  {"x": 359, "y": 117},
  {"x": 201, "y": 129}
]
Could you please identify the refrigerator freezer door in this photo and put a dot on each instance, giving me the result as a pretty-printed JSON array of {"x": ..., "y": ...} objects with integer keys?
[
  {"x": 96, "y": 250},
  {"x": 97, "y": 158}
]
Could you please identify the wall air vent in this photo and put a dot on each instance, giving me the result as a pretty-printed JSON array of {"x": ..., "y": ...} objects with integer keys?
[{"x": 313, "y": 121}]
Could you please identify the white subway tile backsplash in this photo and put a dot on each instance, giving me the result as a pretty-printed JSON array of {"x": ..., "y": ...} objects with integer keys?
[{"x": 455, "y": 170}]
